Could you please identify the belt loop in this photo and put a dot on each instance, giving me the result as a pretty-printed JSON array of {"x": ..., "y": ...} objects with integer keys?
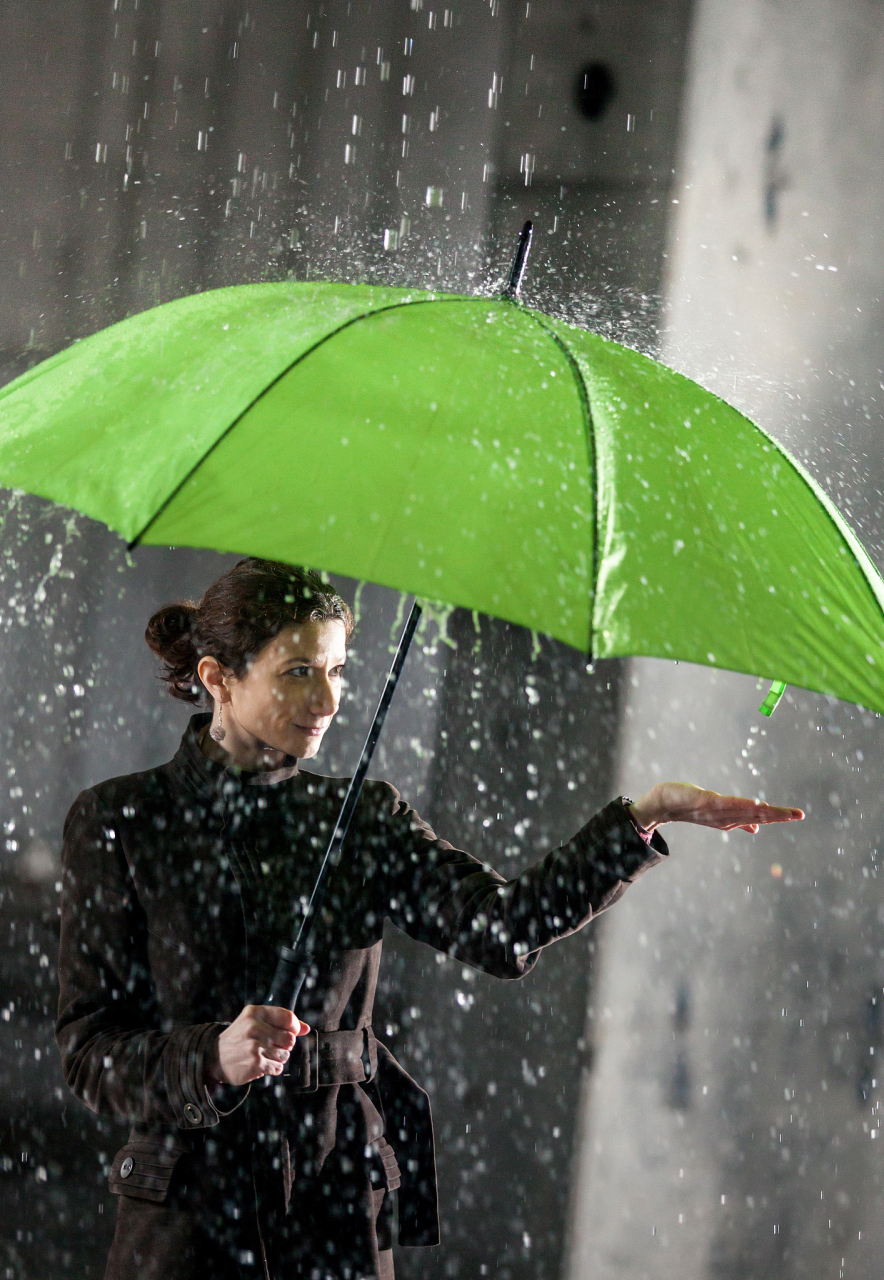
[
  {"x": 305, "y": 1056},
  {"x": 312, "y": 1048},
  {"x": 369, "y": 1059}
]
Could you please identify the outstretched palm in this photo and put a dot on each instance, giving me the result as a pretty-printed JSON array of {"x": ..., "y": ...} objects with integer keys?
[{"x": 684, "y": 802}]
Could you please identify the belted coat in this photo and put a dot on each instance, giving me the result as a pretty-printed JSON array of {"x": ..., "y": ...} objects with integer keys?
[{"x": 178, "y": 890}]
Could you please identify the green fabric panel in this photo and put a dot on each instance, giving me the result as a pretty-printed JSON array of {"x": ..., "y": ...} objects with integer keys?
[
  {"x": 438, "y": 449},
  {"x": 715, "y": 546},
  {"x": 112, "y": 424}
]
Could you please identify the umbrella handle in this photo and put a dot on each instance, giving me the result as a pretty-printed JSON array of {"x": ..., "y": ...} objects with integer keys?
[{"x": 291, "y": 970}]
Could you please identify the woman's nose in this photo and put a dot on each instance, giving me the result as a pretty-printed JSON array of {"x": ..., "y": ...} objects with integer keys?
[{"x": 325, "y": 699}]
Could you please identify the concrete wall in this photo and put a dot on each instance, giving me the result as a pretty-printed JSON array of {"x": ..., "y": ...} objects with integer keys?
[{"x": 731, "y": 1124}]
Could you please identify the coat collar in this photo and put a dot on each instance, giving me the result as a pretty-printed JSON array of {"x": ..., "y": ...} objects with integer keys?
[{"x": 208, "y": 777}]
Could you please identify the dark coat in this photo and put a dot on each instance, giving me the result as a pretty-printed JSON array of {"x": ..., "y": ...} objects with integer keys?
[{"x": 178, "y": 892}]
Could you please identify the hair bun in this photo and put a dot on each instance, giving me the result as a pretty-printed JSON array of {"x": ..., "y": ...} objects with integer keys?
[
  {"x": 169, "y": 626},
  {"x": 170, "y": 635}
]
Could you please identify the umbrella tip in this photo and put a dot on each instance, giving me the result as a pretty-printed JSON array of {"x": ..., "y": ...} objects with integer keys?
[
  {"x": 520, "y": 261},
  {"x": 776, "y": 691}
]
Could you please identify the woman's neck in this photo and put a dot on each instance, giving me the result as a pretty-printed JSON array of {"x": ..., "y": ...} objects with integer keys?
[{"x": 214, "y": 751}]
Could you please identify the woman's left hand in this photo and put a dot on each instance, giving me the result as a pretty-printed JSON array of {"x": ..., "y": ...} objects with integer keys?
[{"x": 683, "y": 802}]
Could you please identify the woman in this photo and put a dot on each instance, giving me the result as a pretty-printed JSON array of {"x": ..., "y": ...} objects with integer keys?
[{"x": 178, "y": 891}]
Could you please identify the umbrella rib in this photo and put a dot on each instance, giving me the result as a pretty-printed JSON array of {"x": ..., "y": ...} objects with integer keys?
[
  {"x": 393, "y": 306},
  {"x": 589, "y": 430}
]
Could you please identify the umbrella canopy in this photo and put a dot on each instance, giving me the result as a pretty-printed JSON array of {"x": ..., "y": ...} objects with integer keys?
[{"x": 466, "y": 449}]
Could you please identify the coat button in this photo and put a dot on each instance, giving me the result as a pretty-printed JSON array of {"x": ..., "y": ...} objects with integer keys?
[
  {"x": 192, "y": 1114},
  {"x": 126, "y": 1167}
]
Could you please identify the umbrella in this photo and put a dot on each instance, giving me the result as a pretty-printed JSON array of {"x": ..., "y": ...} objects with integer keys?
[{"x": 468, "y": 450}]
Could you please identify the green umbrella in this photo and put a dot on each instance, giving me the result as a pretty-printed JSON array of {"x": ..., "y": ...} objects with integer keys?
[{"x": 469, "y": 450}]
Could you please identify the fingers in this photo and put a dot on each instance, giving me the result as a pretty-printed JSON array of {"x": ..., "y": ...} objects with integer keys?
[
  {"x": 283, "y": 1018},
  {"x": 268, "y": 1068},
  {"x": 275, "y": 1052},
  {"x": 280, "y": 1025},
  {"x": 760, "y": 809},
  {"x": 270, "y": 1041},
  {"x": 276, "y": 1038},
  {"x": 274, "y": 1044},
  {"x": 276, "y": 1016},
  {"x": 773, "y": 813},
  {"x": 770, "y": 813},
  {"x": 272, "y": 1060},
  {"x": 272, "y": 1032},
  {"x": 729, "y": 812},
  {"x": 258, "y": 1042}
]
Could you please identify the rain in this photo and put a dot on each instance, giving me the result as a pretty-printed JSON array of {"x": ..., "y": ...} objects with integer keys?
[{"x": 689, "y": 1086}]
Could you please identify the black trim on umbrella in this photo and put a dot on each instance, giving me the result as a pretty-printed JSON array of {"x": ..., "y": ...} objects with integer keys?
[
  {"x": 520, "y": 261},
  {"x": 592, "y": 451}
]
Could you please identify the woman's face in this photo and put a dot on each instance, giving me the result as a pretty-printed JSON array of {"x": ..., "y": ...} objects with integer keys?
[{"x": 290, "y": 694}]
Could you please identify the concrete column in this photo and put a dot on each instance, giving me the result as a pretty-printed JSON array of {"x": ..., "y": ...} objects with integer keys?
[{"x": 731, "y": 1121}]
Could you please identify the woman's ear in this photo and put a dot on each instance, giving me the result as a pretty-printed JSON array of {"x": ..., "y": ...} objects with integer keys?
[{"x": 212, "y": 675}]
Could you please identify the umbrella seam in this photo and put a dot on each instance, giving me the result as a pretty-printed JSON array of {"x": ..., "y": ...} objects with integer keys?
[
  {"x": 589, "y": 432},
  {"x": 394, "y": 306}
]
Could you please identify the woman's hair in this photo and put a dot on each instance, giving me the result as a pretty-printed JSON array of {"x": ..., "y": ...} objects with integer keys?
[{"x": 238, "y": 615}]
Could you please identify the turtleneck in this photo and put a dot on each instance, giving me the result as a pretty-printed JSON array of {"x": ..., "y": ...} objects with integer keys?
[{"x": 210, "y": 775}]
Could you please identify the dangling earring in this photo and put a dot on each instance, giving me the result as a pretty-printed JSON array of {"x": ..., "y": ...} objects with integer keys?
[{"x": 218, "y": 731}]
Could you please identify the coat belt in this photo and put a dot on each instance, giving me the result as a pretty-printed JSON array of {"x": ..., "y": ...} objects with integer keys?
[{"x": 322, "y": 1058}]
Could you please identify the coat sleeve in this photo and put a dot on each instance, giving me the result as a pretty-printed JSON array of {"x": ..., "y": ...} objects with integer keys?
[
  {"x": 457, "y": 904},
  {"x": 116, "y": 1056}
]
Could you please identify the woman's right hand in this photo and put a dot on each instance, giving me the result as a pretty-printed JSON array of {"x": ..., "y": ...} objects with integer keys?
[{"x": 258, "y": 1043}]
